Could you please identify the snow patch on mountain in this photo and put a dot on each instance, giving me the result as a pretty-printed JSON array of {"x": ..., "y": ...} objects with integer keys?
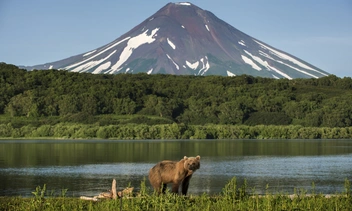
[
  {"x": 302, "y": 71},
  {"x": 91, "y": 64},
  {"x": 257, "y": 59},
  {"x": 205, "y": 67},
  {"x": 171, "y": 44},
  {"x": 274, "y": 76},
  {"x": 132, "y": 44},
  {"x": 177, "y": 67},
  {"x": 242, "y": 43},
  {"x": 92, "y": 57},
  {"x": 206, "y": 26},
  {"x": 281, "y": 62},
  {"x": 89, "y": 53},
  {"x": 102, "y": 67},
  {"x": 150, "y": 71},
  {"x": 192, "y": 65},
  {"x": 251, "y": 63},
  {"x": 280, "y": 72},
  {"x": 288, "y": 58},
  {"x": 266, "y": 55},
  {"x": 230, "y": 73},
  {"x": 183, "y": 3}
]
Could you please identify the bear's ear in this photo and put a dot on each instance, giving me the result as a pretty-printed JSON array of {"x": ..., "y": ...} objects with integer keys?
[
  {"x": 185, "y": 157},
  {"x": 198, "y": 157}
]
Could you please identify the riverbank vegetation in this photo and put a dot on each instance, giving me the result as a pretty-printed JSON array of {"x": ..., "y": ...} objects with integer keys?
[
  {"x": 57, "y": 103},
  {"x": 232, "y": 197},
  {"x": 171, "y": 131}
]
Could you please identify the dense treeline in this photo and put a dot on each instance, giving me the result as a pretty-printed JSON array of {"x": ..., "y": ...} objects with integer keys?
[
  {"x": 191, "y": 100},
  {"x": 173, "y": 131}
]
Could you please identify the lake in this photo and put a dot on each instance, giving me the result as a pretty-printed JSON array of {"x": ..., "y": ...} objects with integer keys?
[{"x": 87, "y": 167}]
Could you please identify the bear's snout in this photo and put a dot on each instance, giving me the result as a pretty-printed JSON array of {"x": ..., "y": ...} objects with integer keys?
[{"x": 193, "y": 166}]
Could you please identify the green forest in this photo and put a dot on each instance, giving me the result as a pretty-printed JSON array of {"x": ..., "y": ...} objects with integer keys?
[{"x": 58, "y": 103}]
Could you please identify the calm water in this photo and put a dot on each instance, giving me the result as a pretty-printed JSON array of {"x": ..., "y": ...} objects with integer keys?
[{"x": 87, "y": 167}]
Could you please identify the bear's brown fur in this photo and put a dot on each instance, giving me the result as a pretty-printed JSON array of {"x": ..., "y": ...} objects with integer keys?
[{"x": 175, "y": 172}]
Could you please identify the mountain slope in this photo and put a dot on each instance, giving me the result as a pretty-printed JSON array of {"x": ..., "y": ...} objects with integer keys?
[{"x": 181, "y": 39}]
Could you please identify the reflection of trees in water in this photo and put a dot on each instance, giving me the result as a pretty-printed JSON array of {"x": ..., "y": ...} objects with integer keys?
[{"x": 61, "y": 153}]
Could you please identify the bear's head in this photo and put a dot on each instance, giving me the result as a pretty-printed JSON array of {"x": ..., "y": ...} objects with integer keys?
[{"x": 191, "y": 163}]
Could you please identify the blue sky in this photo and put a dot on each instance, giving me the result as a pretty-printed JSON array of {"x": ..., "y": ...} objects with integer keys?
[{"x": 38, "y": 31}]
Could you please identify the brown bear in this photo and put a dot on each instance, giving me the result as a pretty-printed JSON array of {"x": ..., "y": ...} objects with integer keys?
[{"x": 175, "y": 172}]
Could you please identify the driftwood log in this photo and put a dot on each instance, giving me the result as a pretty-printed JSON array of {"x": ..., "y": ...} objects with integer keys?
[{"x": 111, "y": 194}]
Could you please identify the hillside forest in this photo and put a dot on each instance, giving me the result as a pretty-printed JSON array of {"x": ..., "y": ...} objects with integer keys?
[{"x": 49, "y": 97}]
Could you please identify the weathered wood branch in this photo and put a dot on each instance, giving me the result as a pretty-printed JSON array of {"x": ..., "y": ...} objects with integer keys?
[
  {"x": 113, "y": 189},
  {"x": 111, "y": 194},
  {"x": 88, "y": 198}
]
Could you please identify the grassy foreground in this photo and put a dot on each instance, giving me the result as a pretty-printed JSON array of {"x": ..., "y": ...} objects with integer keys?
[{"x": 231, "y": 198}]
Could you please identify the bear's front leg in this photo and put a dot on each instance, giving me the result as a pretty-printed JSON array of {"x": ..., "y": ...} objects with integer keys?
[{"x": 185, "y": 184}]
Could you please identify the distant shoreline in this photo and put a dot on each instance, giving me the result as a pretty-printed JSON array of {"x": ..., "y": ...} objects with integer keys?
[{"x": 172, "y": 131}]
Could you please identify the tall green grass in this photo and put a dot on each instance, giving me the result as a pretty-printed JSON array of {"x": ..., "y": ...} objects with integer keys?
[{"x": 232, "y": 197}]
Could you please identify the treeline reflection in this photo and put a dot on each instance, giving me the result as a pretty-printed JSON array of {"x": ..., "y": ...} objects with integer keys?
[{"x": 61, "y": 153}]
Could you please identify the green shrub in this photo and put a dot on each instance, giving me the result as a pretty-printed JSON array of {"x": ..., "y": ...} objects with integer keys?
[
  {"x": 43, "y": 131},
  {"x": 6, "y": 130},
  {"x": 102, "y": 133},
  {"x": 268, "y": 118}
]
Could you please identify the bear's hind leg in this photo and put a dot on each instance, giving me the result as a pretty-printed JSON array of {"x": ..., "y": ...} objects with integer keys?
[
  {"x": 163, "y": 188},
  {"x": 175, "y": 187}
]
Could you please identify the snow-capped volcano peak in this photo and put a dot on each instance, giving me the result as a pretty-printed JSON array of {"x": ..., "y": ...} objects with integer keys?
[
  {"x": 183, "y": 3},
  {"x": 181, "y": 39}
]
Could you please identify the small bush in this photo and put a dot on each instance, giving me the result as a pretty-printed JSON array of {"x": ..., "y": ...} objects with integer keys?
[{"x": 268, "y": 118}]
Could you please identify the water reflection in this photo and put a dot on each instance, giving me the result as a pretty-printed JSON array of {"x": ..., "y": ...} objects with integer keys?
[{"x": 87, "y": 167}]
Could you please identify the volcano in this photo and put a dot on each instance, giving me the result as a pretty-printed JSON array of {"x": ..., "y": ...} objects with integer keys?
[{"x": 183, "y": 39}]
